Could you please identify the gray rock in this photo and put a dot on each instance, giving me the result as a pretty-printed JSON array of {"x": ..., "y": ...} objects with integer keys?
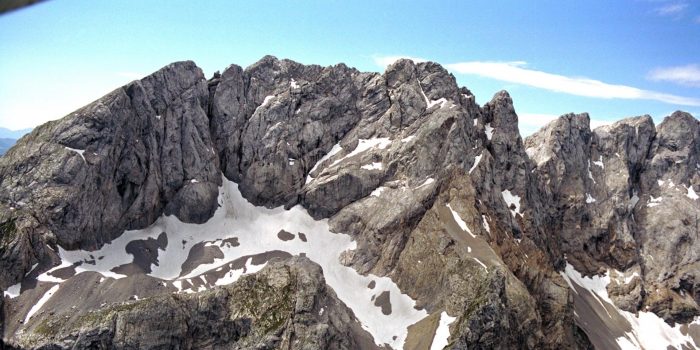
[{"x": 279, "y": 307}]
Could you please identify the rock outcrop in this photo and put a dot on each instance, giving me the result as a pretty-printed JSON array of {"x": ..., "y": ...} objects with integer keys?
[{"x": 286, "y": 305}]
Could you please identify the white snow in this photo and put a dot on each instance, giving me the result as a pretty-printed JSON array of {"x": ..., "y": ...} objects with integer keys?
[
  {"x": 13, "y": 290},
  {"x": 590, "y": 174},
  {"x": 194, "y": 181},
  {"x": 408, "y": 138},
  {"x": 460, "y": 222},
  {"x": 330, "y": 154},
  {"x": 78, "y": 151},
  {"x": 476, "y": 121},
  {"x": 378, "y": 191},
  {"x": 442, "y": 101},
  {"x": 442, "y": 333},
  {"x": 158, "y": 117},
  {"x": 267, "y": 99},
  {"x": 589, "y": 198},
  {"x": 481, "y": 263},
  {"x": 510, "y": 198},
  {"x": 654, "y": 201},
  {"x": 373, "y": 166},
  {"x": 599, "y": 162},
  {"x": 485, "y": 224},
  {"x": 691, "y": 193},
  {"x": 648, "y": 330},
  {"x": 477, "y": 159},
  {"x": 264, "y": 103},
  {"x": 489, "y": 131},
  {"x": 256, "y": 229},
  {"x": 427, "y": 182},
  {"x": 39, "y": 304},
  {"x": 660, "y": 182},
  {"x": 365, "y": 144},
  {"x": 293, "y": 84}
]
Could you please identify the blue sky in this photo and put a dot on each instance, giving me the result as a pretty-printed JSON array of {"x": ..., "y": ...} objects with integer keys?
[{"x": 613, "y": 59}]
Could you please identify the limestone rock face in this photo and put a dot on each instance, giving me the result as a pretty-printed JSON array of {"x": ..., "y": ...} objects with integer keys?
[
  {"x": 116, "y": 164},
  {"x": 482, "y": 231},
  {"x": 626, "y": 198}
]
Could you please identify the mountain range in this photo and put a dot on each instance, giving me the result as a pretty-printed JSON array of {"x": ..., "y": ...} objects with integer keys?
[{"x": 304, "y": 207}]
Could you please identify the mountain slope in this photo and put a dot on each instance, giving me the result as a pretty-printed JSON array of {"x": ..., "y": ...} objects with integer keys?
[{"x": 432, "y": 220}]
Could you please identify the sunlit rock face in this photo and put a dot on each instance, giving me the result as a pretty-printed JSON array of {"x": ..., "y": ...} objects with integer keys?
[{"x": 297, "y": 206}]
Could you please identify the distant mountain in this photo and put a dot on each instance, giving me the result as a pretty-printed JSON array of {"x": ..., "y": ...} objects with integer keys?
[
  {"x": 5, "y": 144},
  {"x": 13, "y": 134}
]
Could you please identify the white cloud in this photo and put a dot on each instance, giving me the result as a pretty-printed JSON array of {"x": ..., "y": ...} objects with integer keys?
[
  {"x": 384, "y": 61},
  {"x": 684, "y": 75},
  {"x": 675, "y": 9},
  {"x": 515, "y": 72},
  {"x": 529, "y": 123}
]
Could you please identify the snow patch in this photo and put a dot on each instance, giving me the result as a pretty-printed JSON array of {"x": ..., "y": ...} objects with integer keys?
[
  {"x": 39, "y": 304},
  {"x": 408, "y": 138},
  {"x": 460, "y": 222},
  {"x": 599, "y": 162},
  {"x": 691, "y": 193},
  {"x": 13, "y": 290},
  {"x": 373, "y": 166},
  {"x": 293, "y": 84},
  {"x": 442, "y": 101},
  {"x": 427, "y": 182},
  {"x": 364, "y": 145},
  {"x": 589, "y": 199},
  {"x": 78, "y": 151},
  {"x": 489, "y": 131},
  {"x": 511, "y": 199},
  {"x": 378, "y": 191},
  {"x": 654, "y": 201},
  {"x": 330, "y": 154},
  {"x": 481, "y": 263},
  {"x": 264, "y": 103},
  {"x": 442, "y": 333},
  {"x": 590, "y": 174},
  {"x": 485, "y": 224},
  {"x": 477, "y": 159}
]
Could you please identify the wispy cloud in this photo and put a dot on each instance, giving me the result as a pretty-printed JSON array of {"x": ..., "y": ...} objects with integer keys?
[
  {"x": 675, "y": 9},
  {"x": 515, "y": 72},
  {"x": 688, "y": 75}
]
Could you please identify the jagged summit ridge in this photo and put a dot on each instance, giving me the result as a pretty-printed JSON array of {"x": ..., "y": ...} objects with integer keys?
[{"x": 424, "y": 180}]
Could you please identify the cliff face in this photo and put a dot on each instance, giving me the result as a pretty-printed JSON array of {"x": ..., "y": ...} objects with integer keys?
[{"x": 426, "y": 212}]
